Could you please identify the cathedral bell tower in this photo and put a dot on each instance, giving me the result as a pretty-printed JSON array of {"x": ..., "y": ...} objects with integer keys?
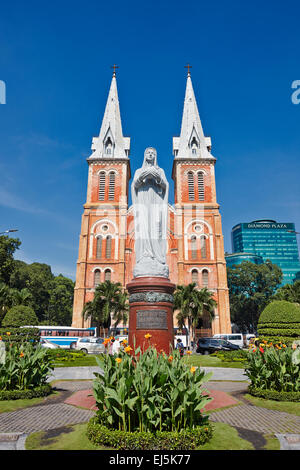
[
  {"x": 198, "y": 228},
  {"x": 103, "y": 228}
]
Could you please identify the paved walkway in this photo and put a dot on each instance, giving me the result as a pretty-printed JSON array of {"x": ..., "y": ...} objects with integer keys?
[{"x": 226, "y": 386}]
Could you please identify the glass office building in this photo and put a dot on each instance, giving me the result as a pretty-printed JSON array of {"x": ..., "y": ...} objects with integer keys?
[
  {"x": 272, "y": 241},
  {"x": 238, "y": 258}
]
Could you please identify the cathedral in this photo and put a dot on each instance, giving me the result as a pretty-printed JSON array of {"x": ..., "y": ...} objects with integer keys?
[{"x": 195, "y": 249}]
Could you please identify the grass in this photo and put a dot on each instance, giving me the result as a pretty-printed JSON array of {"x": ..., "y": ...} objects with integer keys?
[
  {"x": 285, "y": 406},
  {"x": 74, "y": 437},
  {"x": 198, "y": 360},
  {"x": 13, "y": 405}
]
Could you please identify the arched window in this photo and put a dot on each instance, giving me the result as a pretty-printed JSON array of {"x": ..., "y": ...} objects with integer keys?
[
  {"x": 101, "y": 186},
  {"x": 190, "y": 176},
  {"x": 201, "y": 186},
  {"x": 195, "y": 276},
  {"x": 204, "y": 278},
  {"x": 108, "y": 247},
  {"x": 111, "y": 188},
  {"x": 107, "y": 275},
  {"x": 203, "y": 247},
  {"x": 194, "y": 247},
  {"x": 99, "y": 247},
  {"x": 97, "y": 274}
]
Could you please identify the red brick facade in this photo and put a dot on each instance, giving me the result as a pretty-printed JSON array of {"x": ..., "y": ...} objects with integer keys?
[{"x": 195, "y": 242}]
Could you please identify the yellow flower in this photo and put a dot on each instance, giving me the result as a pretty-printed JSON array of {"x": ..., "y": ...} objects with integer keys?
[
  {"x": 148, "y": 336},
  {"x": 8, "y": 333},
  {"x": 118, "y": 360},
  {"x": 193, "y": 370},
  {"x": 189, "y": 352},
  {"x": 128, "y": 349},
  {"x": 124, "y": 341},
  {"x": 284, "y": 346}
]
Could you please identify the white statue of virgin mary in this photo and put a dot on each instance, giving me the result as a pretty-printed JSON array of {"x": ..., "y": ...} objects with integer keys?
[{"x": 149, "y": 191}]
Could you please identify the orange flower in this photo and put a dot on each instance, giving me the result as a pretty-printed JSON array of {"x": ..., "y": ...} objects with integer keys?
[
  {"x": 193, "y": 370},
  {"x": 118, "y": 360},
  {"x": 189, "y": 352},
  {"x": 148, "y": 336},
  {"x": 170, "y": 358},
  {"x": 0, "y": 338},
  {"x": 22, "y": 354},
  {"x": 124, "y": 341},
  {"x": 128, "y": 349}
]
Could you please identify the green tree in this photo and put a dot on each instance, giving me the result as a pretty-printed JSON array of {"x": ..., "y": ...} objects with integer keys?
[
  {"x": 21, "y": 297},
  {"x": 7, "y": 248},
  {"x": 109, "y": 303},
  {"x": 60, "y": 305},
  {"x": 20, "y": 315},
  {"x": 191, "y": 304},
  {"x": 6, "y": 300},
  {"x": 289, "y": 292},
  {"x": 251, "y": 288}
]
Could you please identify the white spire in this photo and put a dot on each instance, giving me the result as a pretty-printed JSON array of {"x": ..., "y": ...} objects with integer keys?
[
  {"x": 192, "y": 143},
  {"x": 111, "y": 143}
]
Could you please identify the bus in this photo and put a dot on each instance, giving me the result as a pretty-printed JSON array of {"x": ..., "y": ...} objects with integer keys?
[
  {"x": 64, "y": 336},
  {"x": 119, "y": 332}
]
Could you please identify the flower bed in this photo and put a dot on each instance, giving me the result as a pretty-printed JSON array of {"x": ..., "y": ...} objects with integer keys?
[
  {"x": 148, "y": 400},
  {"x": 274, "y": 370},
  {"x": 24, "y": 368}
]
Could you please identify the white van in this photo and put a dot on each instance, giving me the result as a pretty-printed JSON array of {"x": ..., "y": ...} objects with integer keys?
[{"x": 235, "y": 338}]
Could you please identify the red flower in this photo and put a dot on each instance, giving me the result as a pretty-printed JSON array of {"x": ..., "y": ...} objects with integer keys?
[{"x": 261, "y": 350}]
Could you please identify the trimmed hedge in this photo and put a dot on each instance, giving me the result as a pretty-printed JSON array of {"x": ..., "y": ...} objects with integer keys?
[
  {"x": 185, "y": 439},
  {"x": 20, "y": 315},
  {"x": 280, "y": 321},
  {"x": 274, "y": 394},
  {"x": 19, "y": 335},
  {"x": 36, "y": 392}
]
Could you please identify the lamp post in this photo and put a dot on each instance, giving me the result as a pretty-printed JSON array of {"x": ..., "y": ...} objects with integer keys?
[{"x": 10, "y": 230}]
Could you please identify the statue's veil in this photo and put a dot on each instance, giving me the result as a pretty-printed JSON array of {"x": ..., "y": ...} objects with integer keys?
[{"x": 155, "y": 158}]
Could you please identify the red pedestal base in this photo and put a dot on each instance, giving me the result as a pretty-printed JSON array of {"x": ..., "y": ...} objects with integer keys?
[{"x": 151, "y": 312}]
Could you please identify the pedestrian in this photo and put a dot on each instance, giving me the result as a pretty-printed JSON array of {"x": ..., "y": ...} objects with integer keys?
[
  {"x": 180, "y": 346},
  {"x": 116, "y": 347}
]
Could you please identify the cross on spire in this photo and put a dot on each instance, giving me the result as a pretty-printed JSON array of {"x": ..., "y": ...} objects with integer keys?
[
  {"x": 188, "y": 66},
  {"x": 114, "y": 67}
]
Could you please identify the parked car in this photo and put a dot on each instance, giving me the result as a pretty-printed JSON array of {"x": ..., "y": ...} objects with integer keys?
[
  {"x": 235, "y": 338},
  {"x": 89, "y": 345},
  {"x": 210, "y": 345},
  {"x": 45, "y": 343}
]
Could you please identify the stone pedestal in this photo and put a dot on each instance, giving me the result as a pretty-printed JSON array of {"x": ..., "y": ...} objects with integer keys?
[{"x": 151, "y": 312}]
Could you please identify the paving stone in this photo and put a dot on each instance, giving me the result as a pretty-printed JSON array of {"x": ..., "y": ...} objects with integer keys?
[
  {"x": 258, "y": 419},
  {"x": 38, "y": 418}
]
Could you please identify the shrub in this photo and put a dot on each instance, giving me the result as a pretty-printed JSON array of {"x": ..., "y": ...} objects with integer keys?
[
  {"x": 232, "y": 356},
  {"x": 280, "y": 321},
  {"x": 186, "y": 439},
  {"x": 20, "y": 335},
  {"x": 149, "y": 392},
  {"x": 20, "y": 315},
  {"x": 274, "y": 394},
  {"x": 36, "y": 392}
]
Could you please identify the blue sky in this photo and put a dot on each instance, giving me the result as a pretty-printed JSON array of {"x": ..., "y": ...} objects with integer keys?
[{"x": 55, "y": 60}]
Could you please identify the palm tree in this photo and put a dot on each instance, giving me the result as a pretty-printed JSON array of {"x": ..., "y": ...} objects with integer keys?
[
  {"x": 109, "y": 301},
  {"x": 191, "y": 303},
  {"x": 21, "y": 297}
]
